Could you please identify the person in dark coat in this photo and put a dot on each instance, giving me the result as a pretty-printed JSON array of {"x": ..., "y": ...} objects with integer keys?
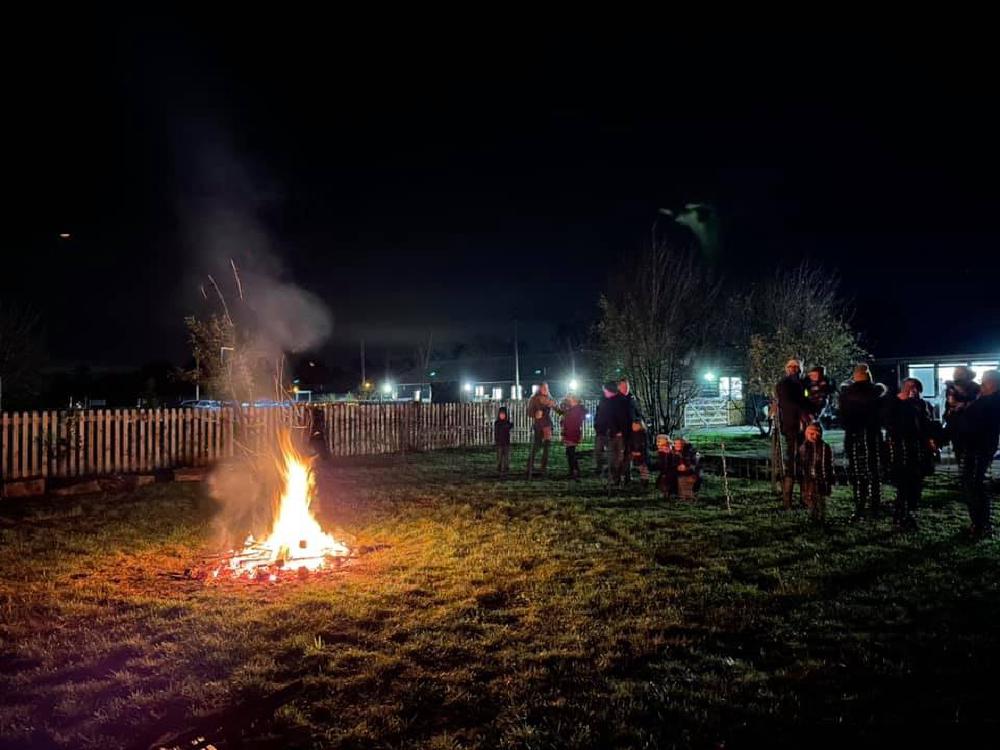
[
  {"x": 601, "y": 437},
  {"x": 816, "y": 471},
  {"x": 619, "y": 426},
  {"x": 572, "y": 432},
  {"x": 666, "y": 482},
  {"x": 637, "y": 449},
  {"x": 501, "y": 439},
  {"x": 818, "y": 390},
  {"x": 793, "y": 410},
  {"x": 959, "y": 394},
  {"x": 911, "y": 439},
  {"x": 860, "y": 413},
  {"x": 981, "y": 435},
  {"x": 683, "y": 469},
  {"x": 539, "y": 411},
  {"x": 634, "y": 412}
]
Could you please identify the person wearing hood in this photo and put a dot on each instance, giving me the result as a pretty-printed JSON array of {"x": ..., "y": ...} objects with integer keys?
[
  {"x": 501, "y": 439},
  {"x": 981, "y": 435},
  {"x": 861, "y": 403},
  {"x": 911, "y": 439},
  {"x": 959, "y": 393},
  {"x": 793, "y": 411}
]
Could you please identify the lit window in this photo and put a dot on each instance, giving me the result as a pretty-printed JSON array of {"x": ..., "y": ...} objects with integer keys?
[
  {"x": 498, "y": 393},
  {"x": 534, "y": 390},
  {"x": 515, "y": 392},
  {"x": 416, "y": 395},
  {"x": 925, "y": 374},
  {"x": 480, "y": 391},
  {"x": 981, "y": 367},
  {"x": 944, "y": 374},
  {"x": 731, "y": 388}
]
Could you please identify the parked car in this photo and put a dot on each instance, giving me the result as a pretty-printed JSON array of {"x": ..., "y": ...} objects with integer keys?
[{"x": 205, "y": 403}]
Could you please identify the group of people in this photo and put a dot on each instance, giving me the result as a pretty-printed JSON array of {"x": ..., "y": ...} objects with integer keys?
[
  {"x": 886, "y": 437},
  {"x": 621, "y": 444}
]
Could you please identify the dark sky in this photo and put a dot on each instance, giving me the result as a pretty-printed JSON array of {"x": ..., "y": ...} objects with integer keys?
[{"x": 415, "y": 184}]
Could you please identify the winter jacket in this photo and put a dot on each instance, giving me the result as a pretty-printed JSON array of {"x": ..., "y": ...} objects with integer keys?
[
  {"x": 539, "y": 411},
  {"x": 909, "y": 430},
  {"x": 815, "y": 463},
  {"x": 861, "y": 405},
  {"x": 818, "y": 393},
  {"x": 501, "y": 430},
  {"x": 601, "y": 417},
  {"x": 670, "y": 468},
  {"x": 958, "y": 396},
  {"x": 636, "y": 441},
  {"x": 572, "y": 424},
  {"x": 793, "y": 406},
  {"x": 689, "y": 459},
  {"x": 981, "y": 424},
  {"x": 634, "y": 412},
  {"x": 619, "y": 415}
]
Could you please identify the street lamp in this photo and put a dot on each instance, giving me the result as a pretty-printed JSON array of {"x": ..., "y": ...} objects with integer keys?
[
  {"x": 573, "y": 384},
  {"x": 387, "y": 388}
]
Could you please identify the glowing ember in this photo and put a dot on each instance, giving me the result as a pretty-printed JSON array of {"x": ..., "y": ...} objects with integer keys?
[{"x": 297, "y": 543}]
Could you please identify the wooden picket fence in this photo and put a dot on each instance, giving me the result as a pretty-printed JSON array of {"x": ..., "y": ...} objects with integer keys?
[{"x": 100, "y": 442}]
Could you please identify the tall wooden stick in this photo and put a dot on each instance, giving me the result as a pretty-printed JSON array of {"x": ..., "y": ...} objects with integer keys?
[{"x": 725, "y": 477}]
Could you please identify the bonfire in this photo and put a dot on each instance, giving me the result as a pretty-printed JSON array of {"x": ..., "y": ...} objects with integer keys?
[{"x": 296, "y": 544}]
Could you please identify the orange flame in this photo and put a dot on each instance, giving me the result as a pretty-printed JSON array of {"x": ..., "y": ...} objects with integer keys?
[{"x": 296, "y": 540}]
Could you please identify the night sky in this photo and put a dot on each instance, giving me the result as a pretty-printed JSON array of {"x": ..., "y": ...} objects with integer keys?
[{"x": 415, "y": 184}]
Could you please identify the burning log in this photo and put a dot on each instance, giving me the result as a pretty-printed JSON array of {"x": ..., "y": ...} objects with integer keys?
[{"x": 297, "y": 544}]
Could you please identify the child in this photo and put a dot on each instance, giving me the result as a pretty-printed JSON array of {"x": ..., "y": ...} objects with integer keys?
[
  {"x": 818, "y": 390},
  {"x": 572, "y": 432},
  {"x": 687, "y": 468},
  {"x": 666, "y": 482},
  {"x": 815, "y": 469},
  {"x": 637, "y": 449},
  {"x": 501, "y": 439}
]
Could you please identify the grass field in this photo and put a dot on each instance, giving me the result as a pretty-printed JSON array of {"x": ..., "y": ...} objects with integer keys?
[{"x": 501, "y": 614}]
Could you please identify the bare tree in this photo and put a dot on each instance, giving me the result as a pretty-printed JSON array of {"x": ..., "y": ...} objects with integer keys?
[
  {"x": 424, "y": 353},
  {"x": 656, "y": 319},
  {"x": 798, "y": 313}
]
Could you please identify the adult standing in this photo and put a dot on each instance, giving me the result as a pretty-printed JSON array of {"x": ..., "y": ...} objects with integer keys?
[
  {"x": 959, "y": 393},
  {"x": 634, "y": 412},
  {"x": 601, "y": 425},
  {"x": 911, "y": 435},
  {"x": 860, "y": 406},
  {"x": 793, "y": 412},
  {"x": 981, "y": 435},
  {"x": 619, "y": 426},
  {"x": 540, "y": 407}
]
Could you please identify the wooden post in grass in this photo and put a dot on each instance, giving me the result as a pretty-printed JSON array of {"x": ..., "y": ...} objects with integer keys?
[{"x": 725, "y": 476}]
